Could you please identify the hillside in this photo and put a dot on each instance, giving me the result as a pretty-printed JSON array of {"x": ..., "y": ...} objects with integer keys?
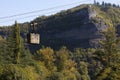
[{"x": 77, "y": 27}]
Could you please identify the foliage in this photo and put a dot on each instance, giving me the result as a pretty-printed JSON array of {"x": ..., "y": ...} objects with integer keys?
[
  {"x": 109, "y": 53},
  {"x": 16, "y": 72},
  {"x": 83, "y": 71},
  {"x": 46, "y": 56}
]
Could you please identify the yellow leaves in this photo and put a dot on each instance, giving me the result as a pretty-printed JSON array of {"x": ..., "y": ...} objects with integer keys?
[
  {"x": 114, "y": 45},
  {"x": 68, "y": 75},
  {"x": 46, "y": 53},
  {"x": 17, "y": 72},
  {"x": 1, "y": 38},
  {"x": 110, "y": 39},
  {"x": 30, "y": 73},
  {"x": 58, "y": 62},
  {"x": 110, "y": 30},
  {"x": 62, "y": 53},
  {"x": 110, "y": 46},
  {"x": 70, "y": 65},
  {"x": 104, "y": 74}
]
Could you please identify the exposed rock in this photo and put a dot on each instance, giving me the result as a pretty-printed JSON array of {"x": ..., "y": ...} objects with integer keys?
[
  {"x": 91, "y": 12},
  {"x": 85, "y": 33}
]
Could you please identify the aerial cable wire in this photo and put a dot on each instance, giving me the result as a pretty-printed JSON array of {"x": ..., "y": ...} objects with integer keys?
[
  {"x": 31, "y": 12},
  {"x": 10, "y": 20}
]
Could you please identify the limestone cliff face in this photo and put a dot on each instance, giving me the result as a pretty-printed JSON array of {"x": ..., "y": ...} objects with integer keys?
[{"x": 73, "y": 30}]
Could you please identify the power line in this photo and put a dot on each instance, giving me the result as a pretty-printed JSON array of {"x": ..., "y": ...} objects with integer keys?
[
  {"x": 21, "y": 14},
  {"x": 10, "y": 20}
]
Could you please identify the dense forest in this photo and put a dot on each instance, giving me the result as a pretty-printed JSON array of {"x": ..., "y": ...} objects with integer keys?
[{"x": 101, "y": 63}]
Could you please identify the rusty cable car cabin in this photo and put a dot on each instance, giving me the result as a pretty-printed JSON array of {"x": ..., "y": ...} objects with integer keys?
[{"x": 33, "y": 37}]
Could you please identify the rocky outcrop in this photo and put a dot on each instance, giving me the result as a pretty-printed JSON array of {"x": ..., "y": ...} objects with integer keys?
[{"x": 74, "y": 30}]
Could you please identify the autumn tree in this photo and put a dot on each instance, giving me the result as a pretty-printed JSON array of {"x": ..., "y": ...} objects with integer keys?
[
  {"x": 65, "y": 65},
  {"x": 46, "y": 56},
  {"x": 110, "y": 55},
  {"x": 110, "y": 45}
]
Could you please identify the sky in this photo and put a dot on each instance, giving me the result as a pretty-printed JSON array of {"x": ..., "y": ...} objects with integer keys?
[{"x": 10, "y": 8}]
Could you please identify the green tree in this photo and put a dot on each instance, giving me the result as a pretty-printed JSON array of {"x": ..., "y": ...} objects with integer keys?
[
  {"x": 65, "y": 65},
  {"x": 46, "y": 55},
  {"x": 110, "y": 55},
  {"x": 61, "y": 58},
  {"x": 17, "y": 72},
  {"x": 83, "y": 71},
  {"x": 17, "y": 43},
  {"x": 110, "y": 45}
]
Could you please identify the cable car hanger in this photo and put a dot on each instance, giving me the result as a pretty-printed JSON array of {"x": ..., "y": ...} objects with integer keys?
[{"x": 33, "y": 36}]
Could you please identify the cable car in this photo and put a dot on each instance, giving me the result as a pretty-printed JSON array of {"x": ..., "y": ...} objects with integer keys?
[{"x": 33, "y": 37}]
